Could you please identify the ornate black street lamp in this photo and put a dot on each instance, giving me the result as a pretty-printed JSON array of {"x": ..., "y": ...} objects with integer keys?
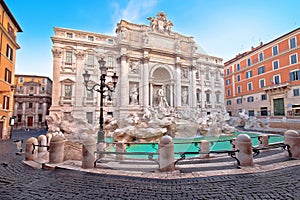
[{"x": 101, "y": 89}]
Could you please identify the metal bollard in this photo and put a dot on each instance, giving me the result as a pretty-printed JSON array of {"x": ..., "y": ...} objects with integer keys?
[
  {"x": 244, "y": 145},
  {"x": 120, "y": 147},
  {"x": 166, "y": 154},
  {"x": 292, "y": 138},
  {"x": 30, "y": 151},
  {"x": 263, "y": 141},
  {"x": 233, "y": 142},
  {"x": 204, "y": 147},
  {"x": 56, "y": 150},
  {"x": 88, "y": 153}
]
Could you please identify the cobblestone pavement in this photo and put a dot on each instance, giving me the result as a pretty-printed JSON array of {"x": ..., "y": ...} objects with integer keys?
[{"x": 19, "y": 181}]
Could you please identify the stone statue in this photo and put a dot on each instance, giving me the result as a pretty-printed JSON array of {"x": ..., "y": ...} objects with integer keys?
[
  {"x": 123, "y": 35},
  {"x": 146, "y": 37},
  {"x": 133, "y": 66},
  {"x": 160, "y": 23},
  {"x": 134, "y": 95},
  {"x": 184, "y": 96},
  {"x": 168, "y": 25},
  {"x": 162, "y": 99}
]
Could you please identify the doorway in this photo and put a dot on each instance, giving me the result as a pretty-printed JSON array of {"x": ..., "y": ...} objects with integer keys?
[
  {"x": 1, "y": 129},
  {"x": 29, "y": 121},
  {"x": 278, "y": 107}
]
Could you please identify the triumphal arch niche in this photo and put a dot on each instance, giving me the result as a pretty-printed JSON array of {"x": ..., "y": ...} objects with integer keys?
[{"x": 159, "y": 67}]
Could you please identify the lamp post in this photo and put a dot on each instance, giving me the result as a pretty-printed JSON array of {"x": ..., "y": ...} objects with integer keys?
[{"x": 101, "y": 89}]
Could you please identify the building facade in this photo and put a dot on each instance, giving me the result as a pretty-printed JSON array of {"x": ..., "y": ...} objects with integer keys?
[
  {"x": 33, "y": 97},
  {"x": 265, "y": 81},
  {"x": 9, "y": 28},
  {"x": 147, "y": 59}
]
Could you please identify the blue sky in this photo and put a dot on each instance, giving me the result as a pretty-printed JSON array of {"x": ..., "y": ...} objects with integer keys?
[{"x": 223, "y": 28}]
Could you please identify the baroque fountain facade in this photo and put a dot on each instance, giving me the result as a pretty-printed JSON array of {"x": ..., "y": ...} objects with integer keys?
[{"x": 167, "y": 83}]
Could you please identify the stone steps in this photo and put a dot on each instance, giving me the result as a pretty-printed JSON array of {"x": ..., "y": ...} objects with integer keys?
[{"x": 216, "y": 162}]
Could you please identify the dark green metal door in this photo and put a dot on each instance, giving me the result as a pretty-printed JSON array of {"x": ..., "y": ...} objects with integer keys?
[{"x": 278, "y": 107}]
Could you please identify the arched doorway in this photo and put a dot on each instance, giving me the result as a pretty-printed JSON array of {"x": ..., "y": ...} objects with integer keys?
[{"x": 161, "y": 80}]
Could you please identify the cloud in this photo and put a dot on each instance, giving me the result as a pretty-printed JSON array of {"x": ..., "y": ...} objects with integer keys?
[{"x": 133, "y": 11}]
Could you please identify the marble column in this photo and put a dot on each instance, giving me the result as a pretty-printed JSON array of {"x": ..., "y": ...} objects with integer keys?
[
  {"x": 57, "y": 61},
  {"x": 124, "y": 83},
  {"x": 193, "y": 92},
  {"x": 178, "y": 85},
  {"x": 145, "y": 82}
]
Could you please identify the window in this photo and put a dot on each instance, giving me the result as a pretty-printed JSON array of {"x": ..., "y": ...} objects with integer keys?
[
  {"x": 250, "y": 99},
  {"x": 238, "y": 67},
  {"x": 69, "y": 56},
  {"x": 275, "y": 50},
  {"x": 261, "y": 56},
  {"x": 43, "y": 80},
  {"x": 217, "y": 75},
  {"x": 9, "y": 52},
  {"x": 5, "y": 102},
  {"x": 207, "y": 75},
  {"x": 90, "y": 60},
  {"x": 68, "y": 91},
  {"x": 197, "y": 75},
  {"x": 91, "y": 38},
  {"x": 251, "y": 112},
  {"x": 292, "y": 42},
  {"x": 264, "y": 111},
  {"x": 238, "y": 77},
  {"x": 21, "y": 88},
  {"x": 249, "y": 74},
  {"x": 227, "y": 81},
  {"x": 275, "y": 64},
  {"x": 248, "y": 61},
  {"x": 296, "y": 92},
  {"x": 19, "y": 118},
  {"x": 69, "y": 35},
  {"x": 30, "y": 105},
  {"x": 198, "y": 95},
  {"x": 110, "y": 62},
  {"x": 293, "y": 59},
  {"x": 89, "y": 95},
  {"x": 261, "y": 83},
  {"x": 218, "y": 98},
  {"x": 276, "y": 79},
  {"x": 261, "y": 70},
  {"x": 263, "y": 97},
  {"x": 228, "y": 92},
  {"x": 208, "y": 97},
  {"x": 21, "y": 80},
  {"x": 43, "y": 88},
  {"x": 40, "y": 117},
  {"x": 228, "y": 102},
  {"x": 7, "y": 77},
  {"x": 249, "y": 86},
  {"x": 295, "y": 75},
  {"x": 227, "y": 71},
  {"x": 239, "y": 100},
  {"x": 239, "y": 89},
  {"x": 110, "y": 41},
  {"x": 89, "y": 117}
]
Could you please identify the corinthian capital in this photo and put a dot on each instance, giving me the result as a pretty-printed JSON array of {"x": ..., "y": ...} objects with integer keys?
[{"x": 57, "y": 52}]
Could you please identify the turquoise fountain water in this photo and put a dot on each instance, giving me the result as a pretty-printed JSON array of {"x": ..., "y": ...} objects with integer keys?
[{"x": 192, "y": 144}]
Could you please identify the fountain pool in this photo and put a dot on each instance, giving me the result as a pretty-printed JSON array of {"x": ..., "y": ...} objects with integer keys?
[{"x": 192, "y": 144}]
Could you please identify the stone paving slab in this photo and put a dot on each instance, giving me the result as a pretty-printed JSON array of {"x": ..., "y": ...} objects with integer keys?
[{"x": 20, "y": 181}]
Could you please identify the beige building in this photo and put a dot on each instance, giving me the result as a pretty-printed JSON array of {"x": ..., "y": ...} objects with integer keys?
[
  {"x": 32, "y": 96},
  {"x": 149, "y": 60}
]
